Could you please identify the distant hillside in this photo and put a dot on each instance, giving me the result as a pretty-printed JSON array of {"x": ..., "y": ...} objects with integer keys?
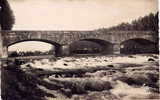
[{"x": 146, "y": 23}]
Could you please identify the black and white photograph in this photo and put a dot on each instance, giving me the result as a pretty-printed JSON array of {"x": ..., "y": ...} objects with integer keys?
[{"x": 79, "y": 50}]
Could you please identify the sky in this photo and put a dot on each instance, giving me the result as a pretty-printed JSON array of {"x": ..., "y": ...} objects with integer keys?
[
  {"x": 74, "y": 15},
  {"x": 77, "y": 14}
]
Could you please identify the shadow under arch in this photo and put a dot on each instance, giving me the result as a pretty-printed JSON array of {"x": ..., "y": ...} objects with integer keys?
[
  {"x": 93, "y": 46},
  {"x": 55, "y": 44},
  {"x": 138, "y": 46}
]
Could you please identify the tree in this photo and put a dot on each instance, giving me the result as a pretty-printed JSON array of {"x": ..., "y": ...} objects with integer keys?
[
  {"x": 146, "y": 23},
  {"x": 6, "y": 16}
]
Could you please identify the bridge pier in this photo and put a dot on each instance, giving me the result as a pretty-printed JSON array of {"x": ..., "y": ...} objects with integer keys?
[
  {"x": 62, "y": 51},
  {"x": 4, "y": 53},
  {"x": 116, "y": 48},
  {"x": 65, "y": 50},
  {"x": 107, "y": 50},
  {"x": 3, "y": 49},
  {"x": 1, "y": 45},
  {"x": 58, "y": 51}
]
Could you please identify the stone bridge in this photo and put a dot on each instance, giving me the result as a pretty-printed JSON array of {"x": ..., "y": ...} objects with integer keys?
[{"x": 62, "y": 39}]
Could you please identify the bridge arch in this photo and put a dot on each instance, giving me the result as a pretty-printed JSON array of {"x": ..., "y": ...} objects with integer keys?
[
  {"x": 91, "y": 45},
  {"x": 56, "y": 45},
  {"x": 138, "y": 46}
]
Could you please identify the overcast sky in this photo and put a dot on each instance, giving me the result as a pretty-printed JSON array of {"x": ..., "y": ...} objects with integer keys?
[{"x": 77, "y": 14}]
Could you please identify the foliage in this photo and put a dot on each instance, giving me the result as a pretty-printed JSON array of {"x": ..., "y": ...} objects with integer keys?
[
  {"x": 6, "y": 16},
  {"x": 30, "y": 53},
  {"x": 146, "y": 23}
]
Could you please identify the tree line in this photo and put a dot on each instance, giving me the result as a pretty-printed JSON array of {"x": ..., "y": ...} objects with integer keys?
[
  {"x": 146, "y": 23},
  {"x": 30, "y": 53}
]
